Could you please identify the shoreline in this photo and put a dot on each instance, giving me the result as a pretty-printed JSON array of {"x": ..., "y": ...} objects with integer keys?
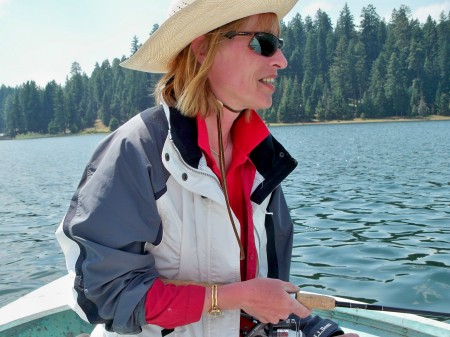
[
  {"x": 100, "y": 128},
  {"x": 370, "y": 120}
]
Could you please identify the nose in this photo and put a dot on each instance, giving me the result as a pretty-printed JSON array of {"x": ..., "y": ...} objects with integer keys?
[{"x": 278, "y": 60}]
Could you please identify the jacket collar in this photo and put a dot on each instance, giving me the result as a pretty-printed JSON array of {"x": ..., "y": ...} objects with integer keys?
[{"x": 270, "y": 158}]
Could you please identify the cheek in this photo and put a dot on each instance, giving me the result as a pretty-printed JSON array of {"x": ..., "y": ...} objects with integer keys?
[
  {"x": 231, "y": 71},
  {"x": 217, "y": 73},
  {"x": 224, "y": 75}
]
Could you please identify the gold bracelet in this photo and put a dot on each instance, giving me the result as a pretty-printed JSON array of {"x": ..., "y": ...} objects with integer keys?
[{"x": 215, "y": 311}]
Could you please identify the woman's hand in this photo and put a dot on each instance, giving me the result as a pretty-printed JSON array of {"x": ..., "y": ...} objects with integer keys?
[{"x": 267, "y": 300}]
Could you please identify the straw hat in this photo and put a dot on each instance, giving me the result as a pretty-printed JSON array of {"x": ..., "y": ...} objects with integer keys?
[{"x": 188, "y": 19}]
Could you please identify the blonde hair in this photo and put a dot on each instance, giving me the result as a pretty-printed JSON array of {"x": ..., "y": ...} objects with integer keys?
[{"x": 186, "y": 86}]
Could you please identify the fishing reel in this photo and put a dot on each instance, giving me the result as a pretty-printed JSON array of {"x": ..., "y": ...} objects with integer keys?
[{"x": 287, "y": 328}]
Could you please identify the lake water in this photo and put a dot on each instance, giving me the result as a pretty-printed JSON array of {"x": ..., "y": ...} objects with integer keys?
[{"x": 370, "y": 202}]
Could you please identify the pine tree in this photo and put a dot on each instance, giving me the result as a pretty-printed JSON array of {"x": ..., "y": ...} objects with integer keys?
[
  {"x": 294, "y": 36},
  {"x": 345, "y": 27},
  {"x": 340, "y": 109},
  {"x": 310, "y": 70},
  {"x": 431, "y": 66},
  {"x": 15, "y": 116},
  {"x": 359, "y": 73},
  {"x": 4, "y": 93},
  {"x": 134, "y": 45},
  {"x": 369, "y": 36},
  {"x": 113, "y": 124},
  {"x": 296, "y": 102},
  {"x": 318, "y": 87},
  {"x": 283, "y": 108},
  {"x": 443, "y": 104},
  {"x": 75, "y": 99},
  {"x": 415, "y": 94},
  {"x": 443, "y": 30},
  {"x": 323, "y": 109},
  {"x": 377, "y": 95},
  {"x": 396, "y": 90},
  {"x": 400, "y": 31},
  {"x": 154, "y": 28},
  {"x": 48, "y": 105},
  {"x": 340, "y": 71},
  {"x": 30, "y": 102},
  {"x": 59, "y": 122},
  {"x": 324, "y": 40}
]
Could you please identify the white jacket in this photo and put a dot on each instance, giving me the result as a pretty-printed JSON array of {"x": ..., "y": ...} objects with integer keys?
[{"x": 148, "y": 206}]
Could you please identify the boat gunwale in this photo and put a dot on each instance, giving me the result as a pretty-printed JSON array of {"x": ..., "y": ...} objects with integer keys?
[{"x": 55, "y": 297}]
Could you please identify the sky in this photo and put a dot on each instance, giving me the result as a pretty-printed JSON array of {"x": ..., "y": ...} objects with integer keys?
[{"x": 40, "y": 39}]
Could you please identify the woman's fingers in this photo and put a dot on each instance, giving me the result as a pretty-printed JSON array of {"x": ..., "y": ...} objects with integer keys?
[{"x": 270, "y": 300}]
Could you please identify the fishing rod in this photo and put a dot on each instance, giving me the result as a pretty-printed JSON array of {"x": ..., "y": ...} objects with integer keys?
[{"x": 314, "y": 301}]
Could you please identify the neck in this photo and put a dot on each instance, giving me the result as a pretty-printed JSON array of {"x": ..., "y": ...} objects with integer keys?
[{"x": 211, "y": 126}]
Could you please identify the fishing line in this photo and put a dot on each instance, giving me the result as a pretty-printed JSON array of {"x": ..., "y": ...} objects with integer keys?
[{"x": 315, "y": 301}]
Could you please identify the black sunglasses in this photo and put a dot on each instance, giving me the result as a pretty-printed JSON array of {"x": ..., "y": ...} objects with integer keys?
[{"x": 264, "y": 44}]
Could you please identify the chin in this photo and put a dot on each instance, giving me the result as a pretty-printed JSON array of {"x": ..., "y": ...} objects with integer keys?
[{"x": 263, "y": 104}]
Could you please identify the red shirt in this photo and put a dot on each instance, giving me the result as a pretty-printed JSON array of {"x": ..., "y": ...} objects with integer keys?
[{"x": 170, "y": 306}]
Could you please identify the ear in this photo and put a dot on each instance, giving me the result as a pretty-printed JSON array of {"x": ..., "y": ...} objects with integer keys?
[{"x": 199, "y": 49}]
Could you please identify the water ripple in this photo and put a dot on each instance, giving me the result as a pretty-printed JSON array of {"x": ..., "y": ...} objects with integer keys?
[{"x": 371, "y": 207}]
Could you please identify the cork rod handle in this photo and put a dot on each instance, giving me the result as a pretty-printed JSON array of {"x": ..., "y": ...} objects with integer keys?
[{"x": 313, "y": 301}]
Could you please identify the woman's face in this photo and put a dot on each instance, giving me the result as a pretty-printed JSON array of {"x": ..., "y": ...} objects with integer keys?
[{"x": 241, "y": 78}]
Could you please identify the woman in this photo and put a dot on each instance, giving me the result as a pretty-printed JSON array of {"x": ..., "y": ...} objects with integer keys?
[{"x": 179, "y": 222}]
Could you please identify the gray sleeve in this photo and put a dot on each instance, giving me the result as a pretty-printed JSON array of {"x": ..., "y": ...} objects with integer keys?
[
  {"x": 279, "y": 229},
  {"x": 112, "y": 216}
]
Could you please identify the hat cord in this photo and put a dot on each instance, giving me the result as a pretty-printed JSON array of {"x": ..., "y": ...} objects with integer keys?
[
  {"x": 224, "y": 184},
  {"x": 233, "y": 110}
]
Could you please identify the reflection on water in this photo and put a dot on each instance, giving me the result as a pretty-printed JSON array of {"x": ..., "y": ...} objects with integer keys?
[{"x": 370, "y": 202}]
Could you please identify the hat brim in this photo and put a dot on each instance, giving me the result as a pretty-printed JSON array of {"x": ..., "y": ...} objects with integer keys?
[{"x": 194, "y": 20}]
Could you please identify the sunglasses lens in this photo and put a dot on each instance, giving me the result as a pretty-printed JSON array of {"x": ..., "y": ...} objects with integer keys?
[
  {"x": 255, "y": 45},
  {"x": 265, "y": 44}
]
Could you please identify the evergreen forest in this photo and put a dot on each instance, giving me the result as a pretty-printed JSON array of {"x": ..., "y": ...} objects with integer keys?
[{"x": 378, "y": 69}]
